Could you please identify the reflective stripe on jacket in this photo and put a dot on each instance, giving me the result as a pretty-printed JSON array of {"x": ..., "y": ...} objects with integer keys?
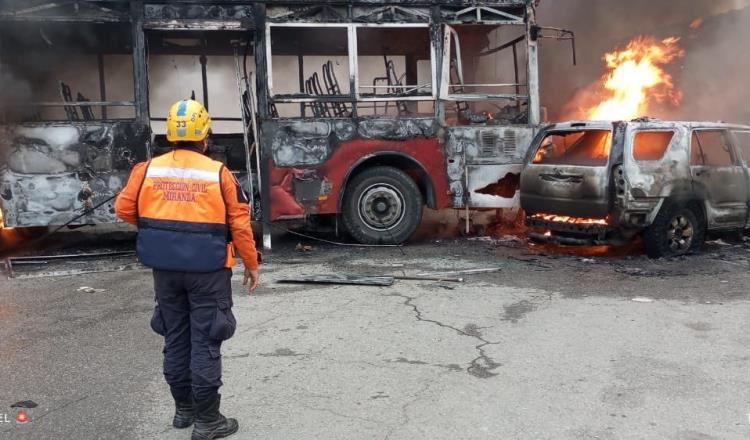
[{"x": 182, "y": 215}]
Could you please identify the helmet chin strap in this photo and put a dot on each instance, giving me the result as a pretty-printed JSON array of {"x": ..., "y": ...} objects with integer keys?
[{"x": 205, "y": 141}]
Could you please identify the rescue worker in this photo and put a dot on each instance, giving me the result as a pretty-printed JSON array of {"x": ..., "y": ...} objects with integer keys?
[{"x": 191, "y": 215}]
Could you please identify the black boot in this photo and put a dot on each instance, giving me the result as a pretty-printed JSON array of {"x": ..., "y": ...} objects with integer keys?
[
  {"x": 209, "y": 423},
  {"x": 184, "y": 414}
]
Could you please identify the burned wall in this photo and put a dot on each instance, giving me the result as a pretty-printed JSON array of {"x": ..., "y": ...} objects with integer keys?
[
  {"x": 310, "y": 142},
  {"x": 477, "y": 163},
  {"x": 486, "y": 158},
  {"x": 54, "y": 172},
  {"x": 312, "y": 159},
  {"x": 198, "y": 12}
]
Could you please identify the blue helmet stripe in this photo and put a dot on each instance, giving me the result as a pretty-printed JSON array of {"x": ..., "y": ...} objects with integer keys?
[{"x": 182, "y": 108}]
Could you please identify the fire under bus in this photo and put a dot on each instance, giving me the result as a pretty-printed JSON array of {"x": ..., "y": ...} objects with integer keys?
[{"x": 356, "y": 113}]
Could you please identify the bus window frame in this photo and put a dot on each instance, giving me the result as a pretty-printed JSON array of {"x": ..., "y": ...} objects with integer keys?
[{"x": 354, "y": 96}]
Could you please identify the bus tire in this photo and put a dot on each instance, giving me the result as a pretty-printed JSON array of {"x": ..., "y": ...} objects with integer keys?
[{"x": 382, "y": 205}]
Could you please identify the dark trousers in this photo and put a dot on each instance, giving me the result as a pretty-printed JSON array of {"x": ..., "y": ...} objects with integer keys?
[{"x": 194, "y": 314}]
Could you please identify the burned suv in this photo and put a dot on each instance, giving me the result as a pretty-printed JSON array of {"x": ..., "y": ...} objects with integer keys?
[{"x": 607, "y": 182}]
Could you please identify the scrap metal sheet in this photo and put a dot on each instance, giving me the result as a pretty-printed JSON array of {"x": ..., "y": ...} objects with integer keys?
[{"x": 349, "y": 279}]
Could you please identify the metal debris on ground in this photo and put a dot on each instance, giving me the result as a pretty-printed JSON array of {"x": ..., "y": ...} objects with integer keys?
[
  {"x": 285, "y": 262},
  {"x": 637, "y": 271},
  {"x": 531, "y": 261},
  {"x": 643, "y": 299},
  {"x": 40, "y": 260},
  {"x": 428, "y": 278},
  {"x": 346, "y": 279},
  {"x": 88, "y": 289},
  {"x": 512, "y": 241},
  {"x": 462, "y": 272},
  {"x": 63, "y": 273},
  {"x": 72, "y": 256},
  {"x": 384, "y": 264},
  {"x": 719, "y": 242},
  {"x": 365, "y": 280},
  {"x": 303, "y": 248}
]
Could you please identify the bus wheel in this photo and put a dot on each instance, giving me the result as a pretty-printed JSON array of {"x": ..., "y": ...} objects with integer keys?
[{"x": 382, "y": 205}]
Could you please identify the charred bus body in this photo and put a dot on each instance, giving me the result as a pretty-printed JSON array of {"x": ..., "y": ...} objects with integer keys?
[{"x": 363, "y": 111}]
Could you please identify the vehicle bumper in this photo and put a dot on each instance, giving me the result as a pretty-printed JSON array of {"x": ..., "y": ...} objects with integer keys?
[{"x": 573, "y": 234}]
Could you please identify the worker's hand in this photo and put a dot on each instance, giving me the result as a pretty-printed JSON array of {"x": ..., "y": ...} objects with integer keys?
[{"x": 252, "y": 275}]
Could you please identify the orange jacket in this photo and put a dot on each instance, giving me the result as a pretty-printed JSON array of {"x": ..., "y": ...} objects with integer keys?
[{"x": 236, "y": 212}]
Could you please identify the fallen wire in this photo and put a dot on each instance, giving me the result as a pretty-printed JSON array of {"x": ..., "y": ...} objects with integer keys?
[
  {"x": 391, "y": 235},
  {"x": 335, "y": 243}
]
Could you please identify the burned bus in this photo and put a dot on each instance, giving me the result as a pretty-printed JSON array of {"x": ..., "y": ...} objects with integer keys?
[{"x": 362, "y": 112}]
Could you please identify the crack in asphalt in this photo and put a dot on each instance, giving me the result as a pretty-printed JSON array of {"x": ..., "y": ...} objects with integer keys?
[
  {"x": 481, "y": 366},
  {"x": 405, "y": 420},
  {"x": 342, "y": 415},
  {"x": 62, "y": 407}
]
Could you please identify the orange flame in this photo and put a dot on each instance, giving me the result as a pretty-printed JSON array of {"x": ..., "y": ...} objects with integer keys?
[
  {"x": 634, "y": 82},
  {"x": 572, "y": 220},
  {"x": 696, "y": 24},
  {"x": 9, "y": 237}
]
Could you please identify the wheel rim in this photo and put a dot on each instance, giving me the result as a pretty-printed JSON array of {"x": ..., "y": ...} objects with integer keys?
[
  {"x": 680, "y": 234},
  {"x": 381, "y": 207}
]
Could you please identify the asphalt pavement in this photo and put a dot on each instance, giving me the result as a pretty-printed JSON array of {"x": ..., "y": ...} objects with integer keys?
[{"x": 549, "y": 346}]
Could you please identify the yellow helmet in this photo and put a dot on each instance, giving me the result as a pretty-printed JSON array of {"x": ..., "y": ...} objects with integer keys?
[{"x": 188, "y": 120}]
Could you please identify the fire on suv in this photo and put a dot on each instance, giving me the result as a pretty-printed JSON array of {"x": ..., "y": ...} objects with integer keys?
[{"x": 608, "y": 182}]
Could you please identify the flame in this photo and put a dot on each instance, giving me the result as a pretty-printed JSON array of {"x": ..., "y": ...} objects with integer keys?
[
  {"x": 9, "y": 237},
  {"x": 696, "y": 24},
  {"x": 572, "y": 220},
  {"x": 634, "y": 82}
]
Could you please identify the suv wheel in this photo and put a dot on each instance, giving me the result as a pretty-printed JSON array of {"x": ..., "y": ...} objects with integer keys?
[
  {"x": 676, "y": 230},
  {"x": 382, "y": 205}
]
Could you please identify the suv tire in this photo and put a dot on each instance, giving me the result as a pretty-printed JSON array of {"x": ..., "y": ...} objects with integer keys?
[
  {"x": 676, "y": 230},
  {"x": 382, "y": 205}
]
